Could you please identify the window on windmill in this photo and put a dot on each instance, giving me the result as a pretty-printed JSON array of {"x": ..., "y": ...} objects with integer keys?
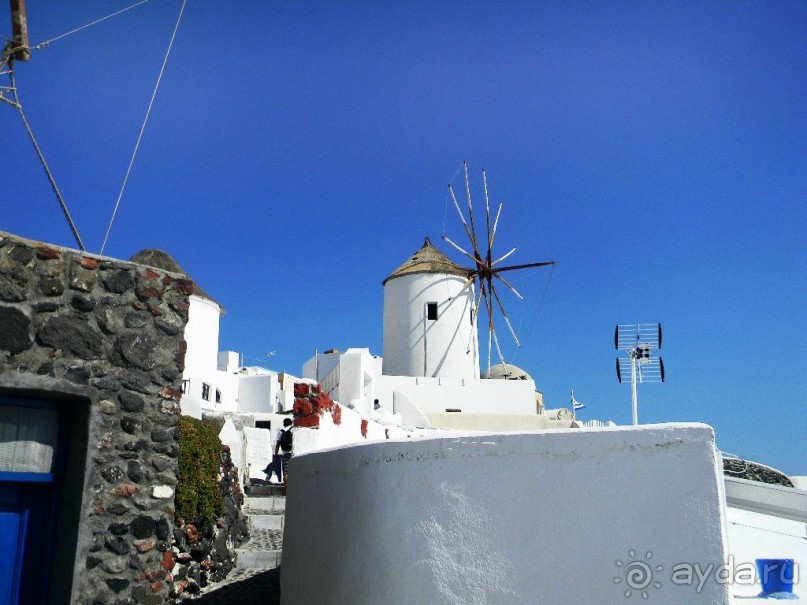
[
  {"x": 471, "y": 313},
  {"x": 431, "y": 311},
  {"x": 205, "y": 391},
  {"x": 218, "y": 396},
  {"x": 186, "y": 385}
]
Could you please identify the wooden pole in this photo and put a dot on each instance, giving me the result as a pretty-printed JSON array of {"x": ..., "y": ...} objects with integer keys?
[{"x": 20, "y": 50}]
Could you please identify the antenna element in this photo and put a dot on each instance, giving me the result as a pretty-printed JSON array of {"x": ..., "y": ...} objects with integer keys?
[{"x": 638, "y": 341}]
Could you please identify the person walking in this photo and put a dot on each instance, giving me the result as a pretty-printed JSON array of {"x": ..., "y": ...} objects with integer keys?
[{"x": 283, "y": 446}]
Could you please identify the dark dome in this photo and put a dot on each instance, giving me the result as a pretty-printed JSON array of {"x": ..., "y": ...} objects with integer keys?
[{"x": 160, "y": 259}]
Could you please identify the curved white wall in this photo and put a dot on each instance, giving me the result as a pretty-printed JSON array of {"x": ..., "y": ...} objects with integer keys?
[
  {"x": 202, "y": 336},
  {"x": 416, "y": 346},
  {"x": 520, "y": 518}
]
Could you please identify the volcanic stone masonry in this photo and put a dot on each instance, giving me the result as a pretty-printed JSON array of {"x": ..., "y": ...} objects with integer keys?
[{"x": 105, "y": 336}]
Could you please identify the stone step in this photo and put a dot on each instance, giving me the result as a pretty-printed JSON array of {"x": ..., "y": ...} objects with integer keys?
[
  {"x": 264, "y": 505},
  {"x": 275, "y": 522},
  {"x": 263, "y": 549},
  {"x": 265, "y": 489},
  {"x": 258, "y": 559}
]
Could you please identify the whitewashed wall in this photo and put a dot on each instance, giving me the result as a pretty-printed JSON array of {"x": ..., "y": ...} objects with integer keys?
[
  {"x": 542, "y": 517},
  {"x": 348, "y": 432},
  {"x": 259, "y": 446},
  {"x": 360, "y": 382},
  {"x": 202, "y": 336},
  {"x": 415, "y": 346},
  {"x": 472, "y": 396},
  {"x": 258, "y": 393}
]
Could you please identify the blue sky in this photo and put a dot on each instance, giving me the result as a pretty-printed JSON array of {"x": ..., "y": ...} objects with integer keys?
[{"x": 298, "y": 152}]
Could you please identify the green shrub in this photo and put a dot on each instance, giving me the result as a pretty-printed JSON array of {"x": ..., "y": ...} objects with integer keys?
[{"x": 198, "y": 496}]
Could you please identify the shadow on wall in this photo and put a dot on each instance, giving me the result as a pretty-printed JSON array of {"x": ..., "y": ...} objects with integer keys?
[{"x": 260, "y": 589}]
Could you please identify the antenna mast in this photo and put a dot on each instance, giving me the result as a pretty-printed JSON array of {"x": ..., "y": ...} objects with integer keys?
[
  {"x": 638, "y": 340},
  {"x": 18, "y": 47}
]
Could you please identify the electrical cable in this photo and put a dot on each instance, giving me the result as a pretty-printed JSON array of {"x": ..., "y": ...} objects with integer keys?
[
  {"x": 143, "y": 126},
  {"x": 42, "y": 45},
  {"x": 52, "y": 180}
]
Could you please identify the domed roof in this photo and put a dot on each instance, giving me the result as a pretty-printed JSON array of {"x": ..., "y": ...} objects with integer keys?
[
  {"x": 159, "y": 259},
  {"x": 429, "y": 260},
  {"x": 506, "y": 371}
]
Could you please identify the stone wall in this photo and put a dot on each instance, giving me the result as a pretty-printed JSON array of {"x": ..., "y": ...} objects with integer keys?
[
  {"x": 206, "y": 551},
  {"x": 106, "y": 337}
]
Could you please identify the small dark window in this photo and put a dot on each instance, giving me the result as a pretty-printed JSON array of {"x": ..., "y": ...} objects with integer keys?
[
  {"x": 186, "y": 385},
  {"x": 431, "y": 311},
  {"x": 205, "y": 391},
  {"x": 218, "y": 396},
  {"x": 263, "y": 424},
  {"x": 472, "y": 317}
]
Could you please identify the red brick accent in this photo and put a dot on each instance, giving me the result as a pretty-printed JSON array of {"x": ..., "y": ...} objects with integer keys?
[
  {"x": 169, "y": 393},
  {"x": 124, "y": 490},
  {"x": 364, "y": 424},
  {"x": 185, "y": 286},
  {"x": 302, "y": 407},
  {"x": 144, "y": 545},
  {"x": 48, "y": 253},
  {"x": 307, "y": 421},
  {"x": 168, "y": 561},
  {"x": 88, "y": 263}
]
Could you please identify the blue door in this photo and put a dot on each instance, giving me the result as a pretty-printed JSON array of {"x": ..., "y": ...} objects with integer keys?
[
  {"x": 12, "y": 547},
  {"x": 31, "y": 439}
]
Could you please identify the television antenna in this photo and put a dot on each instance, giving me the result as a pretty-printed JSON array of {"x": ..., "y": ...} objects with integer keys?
[
  {"x": 638, "y": 340},
  {"x": 486, "y": 272}
]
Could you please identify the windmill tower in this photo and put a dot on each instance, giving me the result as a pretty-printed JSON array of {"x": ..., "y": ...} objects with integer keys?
[
  {"x": 431, "y": 304},
  {"x": 429, "y": 324}
]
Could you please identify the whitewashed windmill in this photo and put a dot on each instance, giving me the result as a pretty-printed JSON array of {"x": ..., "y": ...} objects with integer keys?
[{"x": 431, "y": 304}]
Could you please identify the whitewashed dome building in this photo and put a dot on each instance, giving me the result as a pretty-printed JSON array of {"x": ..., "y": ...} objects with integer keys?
[{"x": 429, "y": 325}]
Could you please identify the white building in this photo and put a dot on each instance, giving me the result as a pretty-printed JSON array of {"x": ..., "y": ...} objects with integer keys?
[
  {"x": 213, "y": 381},
  {"x": 429, "y": 376},
  {"x": 429, "y": 326}
]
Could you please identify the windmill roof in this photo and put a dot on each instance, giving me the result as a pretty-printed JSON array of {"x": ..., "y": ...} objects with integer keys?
[
  {"x": 160, "y": 259},
  {"x": 429, "y": 260}
]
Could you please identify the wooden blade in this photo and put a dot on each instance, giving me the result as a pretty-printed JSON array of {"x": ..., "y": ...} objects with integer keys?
[
  {"x": 479, "y": 300},
  {"x": 527, "y": 266},
  {"x": 462, "y": 216},
  {"x": 503, "y": 257},
  {"x": 509, "y": 285},
  {"x": 476, "y": 260},
  {"x": 495, "y": 225},
  {"x": 470, "y": 209},
  {"x": 490, "y": 347},
  {"x": 469, "y": 281},
  {"x": 506, "y": 319},
  {"x": 488, "y": 303},
  {"x": 487, "y": 214},
  {"x": 498, "y": 348}
]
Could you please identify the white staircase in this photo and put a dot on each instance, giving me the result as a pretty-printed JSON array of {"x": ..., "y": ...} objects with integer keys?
[{"x": 265, "y": 507}]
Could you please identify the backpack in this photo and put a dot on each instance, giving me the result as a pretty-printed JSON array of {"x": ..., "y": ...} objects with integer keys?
[{"x": 285, "y": 440}]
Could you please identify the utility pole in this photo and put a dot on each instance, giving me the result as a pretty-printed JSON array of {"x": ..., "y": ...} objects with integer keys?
[{"x": 18, "y": 48}]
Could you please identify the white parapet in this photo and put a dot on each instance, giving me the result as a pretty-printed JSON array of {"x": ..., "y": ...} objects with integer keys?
[{"x": 563, "y": 517}]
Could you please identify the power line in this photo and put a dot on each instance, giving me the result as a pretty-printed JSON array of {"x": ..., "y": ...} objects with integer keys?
[
  {"x": 143, "y": 126},
  {"x": 42, "y": 45},
  {"x": 52, "y": 180}
]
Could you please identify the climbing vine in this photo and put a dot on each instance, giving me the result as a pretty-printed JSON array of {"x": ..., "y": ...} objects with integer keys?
[{"x": 198, "y": 495}]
